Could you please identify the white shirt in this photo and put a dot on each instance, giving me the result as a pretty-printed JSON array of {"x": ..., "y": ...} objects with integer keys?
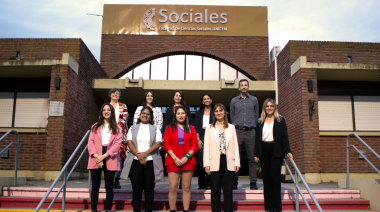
[
  {"x": 117, "y": 113},
  {"x": 206, "y": 121},
  {"x": 106, "y": 134},
  {"x": 143, "y": 139},
  {"x": 268, "y": 132}
]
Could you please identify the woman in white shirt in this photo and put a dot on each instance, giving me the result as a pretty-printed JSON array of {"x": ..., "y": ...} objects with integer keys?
[
  {"x": 143, "y": 164},
  {"x": 203, "y": 118},
  {"x": 221, "y": 158},
  {"x": 271, "y": 146},
  {"x": 157, "y": 114}
]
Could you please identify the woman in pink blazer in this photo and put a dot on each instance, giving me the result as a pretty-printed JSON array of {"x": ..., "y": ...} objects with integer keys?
[{"x": 103, "y": 148}]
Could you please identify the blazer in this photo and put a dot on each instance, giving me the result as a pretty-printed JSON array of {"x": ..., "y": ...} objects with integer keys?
[
  {"x": 211, "y": 152},
  {"x": 199, "y": 123},
  {"x": 170, "y": 115},
  {"x": 280, "y": 136},
  {"x": 157, "y": 161},
  {"x": 95, "y": 147},
  {"x": 171, "y": 143}
]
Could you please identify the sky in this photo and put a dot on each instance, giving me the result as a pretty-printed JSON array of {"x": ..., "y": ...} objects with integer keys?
[{"x": 321, "y": 20}]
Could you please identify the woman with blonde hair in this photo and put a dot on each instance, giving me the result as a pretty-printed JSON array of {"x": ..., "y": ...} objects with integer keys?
[
  {"x": 272, "y": 144},
  {"x": 221, "y": 158}
]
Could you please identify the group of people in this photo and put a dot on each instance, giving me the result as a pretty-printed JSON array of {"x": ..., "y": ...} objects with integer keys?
[{"x": 213, "y": 145}]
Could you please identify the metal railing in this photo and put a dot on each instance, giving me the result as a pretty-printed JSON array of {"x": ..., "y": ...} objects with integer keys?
[
  {"x": 17, "y": 144},
  {"x": 365, "y": 158},
  {"x": 65, "y": 178},
  {"x": 295, "y": 180}
]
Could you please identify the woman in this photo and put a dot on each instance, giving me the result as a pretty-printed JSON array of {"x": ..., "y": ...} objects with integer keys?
[
  {"x": 103, "y": 148},
  {"x": 203, "y": 118},
  {"x": 178, "y": 99},
  {"x": 144, "y": 164},
  {"x": 272, "y": 144},
  {"x": 121, "y": 116},
  {"x": 157, "y": 114},
  {"x": 180, "y": 142},
  {"x": 221, "y": 158}
]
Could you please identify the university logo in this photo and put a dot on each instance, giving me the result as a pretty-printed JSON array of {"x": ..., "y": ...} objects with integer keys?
[{"x": 148, "y": 16}]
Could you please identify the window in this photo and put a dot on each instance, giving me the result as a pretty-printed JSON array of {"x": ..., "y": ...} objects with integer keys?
[
  {"x": 6, "y": 109},
  {"x": 210, "y": 69},
  {"x": 159, "y": 69},
  {"x": 367, "y": 113},
  {"x": 142, "y": 71},
  {"x": 177, "y": 67},
  {"x": 193, "y": 67}
]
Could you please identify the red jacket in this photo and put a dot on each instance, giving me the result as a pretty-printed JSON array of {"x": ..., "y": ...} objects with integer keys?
[{"x": 171, "y": 143}]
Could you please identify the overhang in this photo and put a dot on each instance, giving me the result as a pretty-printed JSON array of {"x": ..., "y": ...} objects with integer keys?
[
  {"x": 133, "y": 91},
  {"x": 339, "y": 71}
]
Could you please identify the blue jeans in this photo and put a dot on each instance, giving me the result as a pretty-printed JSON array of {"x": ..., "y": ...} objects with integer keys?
[{"x": 118, "y": 173}]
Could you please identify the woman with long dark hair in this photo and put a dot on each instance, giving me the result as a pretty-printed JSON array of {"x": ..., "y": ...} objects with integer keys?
[
  {"x": 157, "y": 114},
  {"x": 203, "y": 118},
  {"x": 272, "y": 144},
  {"x": 143, "y": 164},
  {"x": 221, "y": 158},
  {"x": 178, "y": 100},
  {"x": 121, "y": 116},
  {"x": 103, "y": 148},
  {"x": 180, "y": 142}
]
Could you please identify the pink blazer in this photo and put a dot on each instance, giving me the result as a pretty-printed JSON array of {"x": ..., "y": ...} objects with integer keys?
[{"x": 95, "y": 147}]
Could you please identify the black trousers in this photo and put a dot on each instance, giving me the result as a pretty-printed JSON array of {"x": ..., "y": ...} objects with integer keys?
[
  {"x": 203, "y": 178},
  {"x": 222, "y": 179},
  {"x": 271, "y": 169},
  {"x": 96, "y": 176},
  {"x": 142, "y": 178}
]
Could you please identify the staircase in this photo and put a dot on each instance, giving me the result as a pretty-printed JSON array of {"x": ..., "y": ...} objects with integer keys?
[{"x": 244, "y": 200}]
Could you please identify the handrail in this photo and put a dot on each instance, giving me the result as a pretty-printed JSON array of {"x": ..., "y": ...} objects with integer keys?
[
  {"x": 17, "y": 144},
  {"x": 298, "y": 174},
  {"x": 365, "y": 158},
  {"x": 66, "y": 178}
]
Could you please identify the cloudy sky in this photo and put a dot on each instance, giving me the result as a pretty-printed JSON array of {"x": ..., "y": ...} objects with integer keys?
[{"x": 321, "y": 20}]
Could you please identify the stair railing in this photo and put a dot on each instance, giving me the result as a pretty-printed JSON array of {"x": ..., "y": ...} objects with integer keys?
[
  {"x": 65, "y": 178},
  {"x": 365, "y": 158},
  {"x": 17, "y": 144},
  {"x": 298, "y": 190}
]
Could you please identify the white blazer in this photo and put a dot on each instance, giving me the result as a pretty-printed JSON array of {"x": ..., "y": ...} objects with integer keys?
[{"x": 211, "y": 152}]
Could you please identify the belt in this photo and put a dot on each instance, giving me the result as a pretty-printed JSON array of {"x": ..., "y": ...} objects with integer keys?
[{"x": 244, "y": 128}]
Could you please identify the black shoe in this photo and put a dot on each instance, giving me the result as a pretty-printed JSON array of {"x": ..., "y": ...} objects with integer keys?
[
  {"x": 185, "y": 210},
  {"x": 253, "y": 186},
  {"x": 172, "y": 210},
  {"x": 117, "y": 184},
  {"x": 207, "y": 186},
  {"x": 201, "y": 187},
  {"x": 234, "y": 187}
]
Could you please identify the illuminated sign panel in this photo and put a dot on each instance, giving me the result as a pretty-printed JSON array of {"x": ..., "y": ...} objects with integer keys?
[{"x": 185, "y": 20}]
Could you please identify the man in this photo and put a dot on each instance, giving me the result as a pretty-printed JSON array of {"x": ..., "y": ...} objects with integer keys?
[{"x": 244, "y": 112}]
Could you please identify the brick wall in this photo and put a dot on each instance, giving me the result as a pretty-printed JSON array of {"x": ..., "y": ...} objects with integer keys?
[
  {"x": 333, "y": 155},
  {"x": 121, "y": 53},
  {"x": 81, "y": 104}
]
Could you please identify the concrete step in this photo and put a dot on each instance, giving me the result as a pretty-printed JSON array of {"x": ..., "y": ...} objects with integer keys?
[
  {"x": 81, "y": 210},
  {"x": 123, "y": 194},
  {"x": 240, "y": 205}
]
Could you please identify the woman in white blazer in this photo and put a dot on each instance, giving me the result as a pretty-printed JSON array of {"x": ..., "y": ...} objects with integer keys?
[{"x": 221, "y": 158}]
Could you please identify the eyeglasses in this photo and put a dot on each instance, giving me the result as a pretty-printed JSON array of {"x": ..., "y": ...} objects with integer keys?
[{"x": 147, "y": 114}]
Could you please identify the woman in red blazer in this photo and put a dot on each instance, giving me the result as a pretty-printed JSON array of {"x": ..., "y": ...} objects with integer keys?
[
  {"x": 103, "y": 148},
  {"x": 180, "y": 142}
]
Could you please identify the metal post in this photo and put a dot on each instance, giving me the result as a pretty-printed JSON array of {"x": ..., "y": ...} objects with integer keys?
[
  {"x": 16, "y": 164},
  {"x": 276, "y": 78},
  {"x": 297, "y": 196},
  {"x": 64, "y": 190},
  {"x": 348, "y": 164}
]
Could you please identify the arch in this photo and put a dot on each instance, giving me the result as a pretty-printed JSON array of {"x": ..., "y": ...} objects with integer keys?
[{"x": 135, "y": 63}]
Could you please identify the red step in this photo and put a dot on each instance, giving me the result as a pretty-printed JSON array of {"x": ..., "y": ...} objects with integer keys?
[{"x": 243, "y": 205}]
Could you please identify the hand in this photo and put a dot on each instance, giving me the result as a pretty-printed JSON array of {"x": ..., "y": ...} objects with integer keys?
[
  {"x": 290, "y": 155},
  {"x": 207, "y": 170},
  {"x": 100, "y": 158},
  {"x": 100, "y": 165},
  {"x": 184, "y": 160},
  {"x": 200, "y": 144},
  {"x": 177, "y": 162},
  {"x": 237, "y": 169},
  {"x": 95, "y": 155},
  {"x": 141, "y": 155},
  {"x": 143, "y": 161},
  {"x": 256, "y": 159}
]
